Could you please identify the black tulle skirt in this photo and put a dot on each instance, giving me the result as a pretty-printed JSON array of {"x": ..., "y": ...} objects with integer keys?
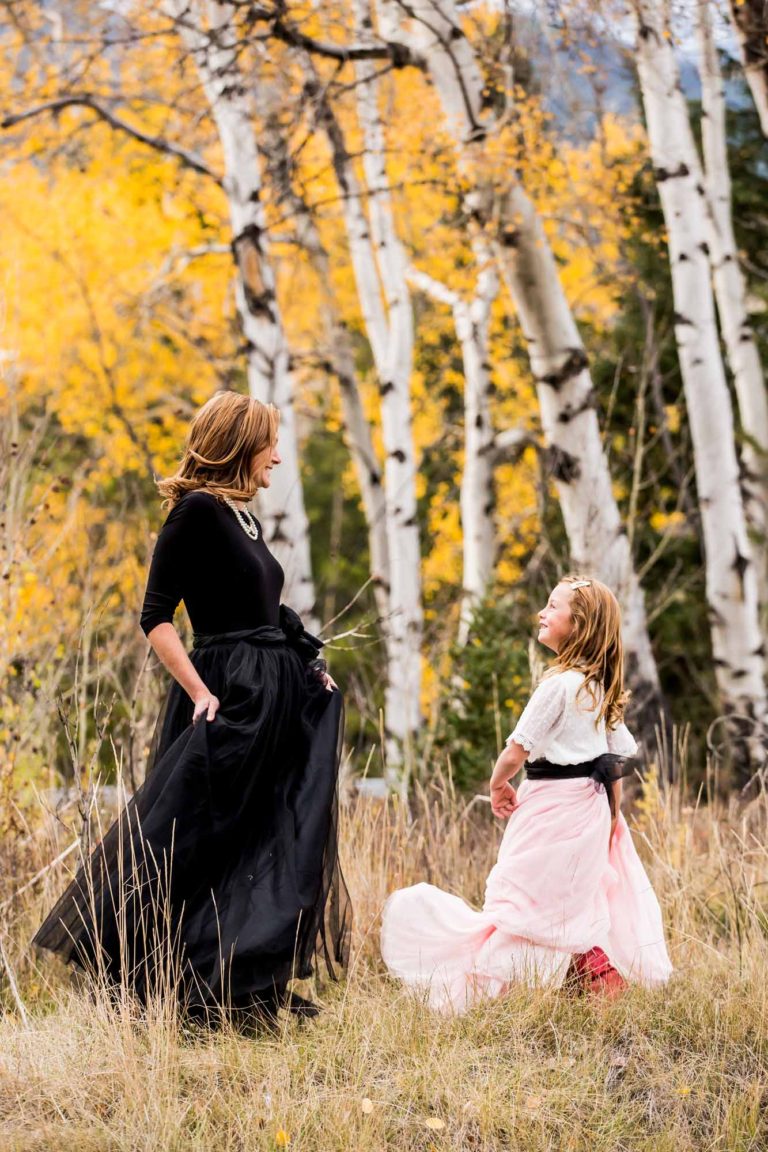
[{"x": 220, "y": 882}]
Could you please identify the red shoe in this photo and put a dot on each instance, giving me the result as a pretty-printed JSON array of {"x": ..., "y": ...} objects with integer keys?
[{"x": 596, "y": 974}]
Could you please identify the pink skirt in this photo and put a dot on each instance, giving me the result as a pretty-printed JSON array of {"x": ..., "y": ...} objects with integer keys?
[{"x": 555, "y": 891}]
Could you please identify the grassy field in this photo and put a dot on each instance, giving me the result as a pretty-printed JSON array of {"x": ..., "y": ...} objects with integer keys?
[{"x": 677, "y": 1069}]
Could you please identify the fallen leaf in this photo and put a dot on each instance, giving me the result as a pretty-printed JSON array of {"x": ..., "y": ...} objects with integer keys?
[
  {"x": 367, "y": 1106},
  {"x": 683, "y": 1090},
  {"x": 435, "y": 1124},
  {"x": 533, "y": 1103},
  {"x": 282, "y": 1138}
]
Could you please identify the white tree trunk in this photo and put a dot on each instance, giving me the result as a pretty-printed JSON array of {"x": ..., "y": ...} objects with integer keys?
[
  {"x": 379, "y": 248},
  {"x": 750, "y": 19},
  {"x": 379, "y": 267},
  {"x": 472, "y": 321},
  {"x": 558, "y": 361},
  {"x": 341, "y": 357},
  {"x": 207, "y": 27},
  {"x": 731, "y": 583},
  {"x": 731, "y": 295}
]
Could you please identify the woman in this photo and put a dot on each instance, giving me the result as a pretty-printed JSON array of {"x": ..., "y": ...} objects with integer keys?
[{"x": 220, "y": 882}]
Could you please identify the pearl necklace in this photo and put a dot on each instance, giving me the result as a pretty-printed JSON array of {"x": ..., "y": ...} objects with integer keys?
[{"x": 246, "y": 522}]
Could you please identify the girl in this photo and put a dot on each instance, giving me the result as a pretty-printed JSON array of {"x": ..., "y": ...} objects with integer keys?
[
  {"x": 568, "y": 885},
  {"x": 220, "y": 882}
]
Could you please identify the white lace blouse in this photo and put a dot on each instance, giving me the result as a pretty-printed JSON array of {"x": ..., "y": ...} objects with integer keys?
[{"x": 557, "y": 726}]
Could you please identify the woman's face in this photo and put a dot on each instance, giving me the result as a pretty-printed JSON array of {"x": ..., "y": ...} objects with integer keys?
[
  {"x": 555, "y": 620},
  {"x": 263, "y": 472}
]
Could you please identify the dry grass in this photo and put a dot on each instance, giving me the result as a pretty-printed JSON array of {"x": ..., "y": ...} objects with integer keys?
[{"x": 682, "y": 1068}]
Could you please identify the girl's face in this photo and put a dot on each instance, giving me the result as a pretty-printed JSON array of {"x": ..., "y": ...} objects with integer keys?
[
  {"x": 555, "y": 620},
  {"x": 263, "y": 474}
]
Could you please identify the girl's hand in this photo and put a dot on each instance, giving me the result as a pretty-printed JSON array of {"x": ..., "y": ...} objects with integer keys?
[
  {"x": 614, "y": 822},
  {"x": 206, "y": 704},
  {"x": 503, "y": 798},
  {"x": 503, "y": 795},
  {"x": 615, "y": 798}
]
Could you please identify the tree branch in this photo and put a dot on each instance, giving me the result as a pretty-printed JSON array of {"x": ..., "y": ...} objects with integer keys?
[
  {"x": 400, "y": 55},
  {"x": 85, "y": 100}
]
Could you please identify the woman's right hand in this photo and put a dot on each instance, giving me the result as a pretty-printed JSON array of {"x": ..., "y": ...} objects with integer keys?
[{"x": 206, "y": 705}]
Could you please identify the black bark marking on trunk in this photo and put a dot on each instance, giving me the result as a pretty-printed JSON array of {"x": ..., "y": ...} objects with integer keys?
[
  {"x": 740, "y": 566},
  {"x": 509, "y": 236},
  {"x": 573, "y": 365},
  {"x": 398, "y": 455},
  {"x": 561, "y": 465},
  {"x": 678, "y": 173},
  {"x": 278, "y": 534},
  {"x": 570, "y": 412}
]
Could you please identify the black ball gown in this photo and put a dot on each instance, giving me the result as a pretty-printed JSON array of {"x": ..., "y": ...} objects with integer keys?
[{"x": 221, "y": 878}]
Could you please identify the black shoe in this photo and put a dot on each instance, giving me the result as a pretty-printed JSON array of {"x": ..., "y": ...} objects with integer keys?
[{"x": 298, "y": 1006}]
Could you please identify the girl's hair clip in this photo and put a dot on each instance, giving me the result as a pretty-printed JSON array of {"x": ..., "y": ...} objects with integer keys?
[{"x": 581, "y": 584}]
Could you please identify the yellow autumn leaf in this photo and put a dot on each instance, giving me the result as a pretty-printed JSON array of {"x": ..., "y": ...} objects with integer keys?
[
  {"x": 366, "y": 1106},
  {"x": 435, "y": 1124}
]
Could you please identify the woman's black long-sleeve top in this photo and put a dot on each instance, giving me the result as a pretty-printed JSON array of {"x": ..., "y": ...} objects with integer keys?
[{"x": 227, "y": 581}]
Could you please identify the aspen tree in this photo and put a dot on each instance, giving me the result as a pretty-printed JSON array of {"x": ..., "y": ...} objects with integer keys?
[
  {"x": 472, "y": 320},
  {"x": 391, "y": 331},
  {"x": 341, "y": 356},
  {"x": 731, "y": 294},
  {"x": 379, "y": 267},
  {"x": 731, "y": 583}
]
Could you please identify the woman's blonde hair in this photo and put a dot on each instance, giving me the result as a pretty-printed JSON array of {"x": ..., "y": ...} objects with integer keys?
[
  {"x": 229, "y": 439},
  {"x": 595, "y": 647}
]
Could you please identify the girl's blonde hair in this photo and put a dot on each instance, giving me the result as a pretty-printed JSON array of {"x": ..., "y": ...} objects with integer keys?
[
  {"x": 595, "y": 647},
  {"x": 230, "y": 438}
]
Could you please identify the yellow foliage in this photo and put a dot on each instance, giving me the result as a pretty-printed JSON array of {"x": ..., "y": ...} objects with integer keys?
[
  {"x": 121, "y": 320},
  {"x": 672, "y": 522}
]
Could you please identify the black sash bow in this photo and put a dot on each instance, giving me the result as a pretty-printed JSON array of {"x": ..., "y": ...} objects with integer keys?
[
  {"x": 291, "y": 632},
  {"x": 604, "y": 770}
]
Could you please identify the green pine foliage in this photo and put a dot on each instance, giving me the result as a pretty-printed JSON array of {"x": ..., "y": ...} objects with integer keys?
[{"x": 490, "y": 685}]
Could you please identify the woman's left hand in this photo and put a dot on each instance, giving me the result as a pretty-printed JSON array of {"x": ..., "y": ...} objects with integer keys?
[{"x": 328, "y": 681}]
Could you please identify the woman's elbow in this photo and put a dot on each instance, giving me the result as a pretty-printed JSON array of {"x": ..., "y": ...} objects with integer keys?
[{"x": 154, "y": 629}]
